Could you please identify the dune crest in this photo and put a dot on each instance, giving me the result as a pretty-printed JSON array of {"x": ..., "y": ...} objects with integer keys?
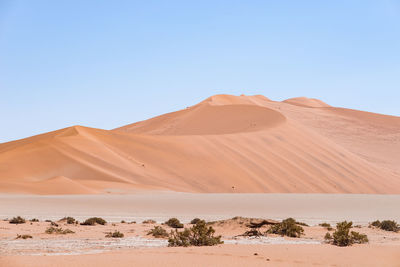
[
  {"x": 306, "y": 102},
  {"x": 208, "y": 119},
  {"x": 233, "y": 100},
  {"x": 225, "y": 143}
]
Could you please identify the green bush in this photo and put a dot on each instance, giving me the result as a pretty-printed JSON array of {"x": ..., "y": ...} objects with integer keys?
[
  {"x": 326, "y": 225},
  {"x": 328, "y": 237},
  {"x": 17, "y": 220},
  {"x": 343, "y": 237},
  {"x": 195, "y": 220},
  {"x": 94, "y": 221},
  {"x": 359, "y": 238},
  {"x": 287, "y": 227},
  {"x": 197, "y": 235},
  {"x": 387, "y": 225},
  {"x": 158, "y": 232},
  {"x": 70, "y": 220},
  {"x": 116, "y": 234},
  {"x": 149, "y": 221},
  {"x": 23, "y": 236},
  {"x": 59, "y": 231},
  {"x": 302, "y": 223},
  {"x": 174, "y": 223},
  {"x": 376, "y": 223}
]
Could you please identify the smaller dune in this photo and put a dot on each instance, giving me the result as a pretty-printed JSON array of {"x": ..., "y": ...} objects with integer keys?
[{"x": 306, "y": 102}]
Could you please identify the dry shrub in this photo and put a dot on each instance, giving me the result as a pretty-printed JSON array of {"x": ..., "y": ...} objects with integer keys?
[
  {"x": 197, "y": 235},
  {"x": 158, "y": 232},
  {"x": 287, "y": 227},
  {"x": 195, "y": 220},
  {"x": 344, "y": 237},
  {"x": 23, "y": 236},
  {"x": 174, "y": 223},
  {"x": 149, "y": 221},
  {"x": 68, "y": 220},
  {"x": 58, "y": 231},
  {"x": 115, "y": 234},
  {"x": 387, "y": 225},
  {"x": 17, "y": 220},
  {"x": 94, "y": 221}
]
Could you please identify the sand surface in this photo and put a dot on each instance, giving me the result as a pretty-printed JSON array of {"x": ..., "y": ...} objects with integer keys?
[
  {"x": 225, "y": 144},
  {"x": 88, "y": 246},
  {"x": 227, "y": 156},
  {"x": 225, "y": 255}
]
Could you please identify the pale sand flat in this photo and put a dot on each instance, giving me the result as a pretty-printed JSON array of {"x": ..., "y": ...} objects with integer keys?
[{"x": 224, "y": 255}]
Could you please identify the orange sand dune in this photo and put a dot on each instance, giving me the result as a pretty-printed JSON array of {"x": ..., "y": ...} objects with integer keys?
[
  {"x": 306, "y": 102},
  {"x": 223, "y": 144}
]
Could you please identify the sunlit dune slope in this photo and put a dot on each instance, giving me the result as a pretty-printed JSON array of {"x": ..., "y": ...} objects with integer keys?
[
  {"x": 223, "y": 144},
  {"x": 306, "y": 102},
  {"x": 210, "y": 120}
]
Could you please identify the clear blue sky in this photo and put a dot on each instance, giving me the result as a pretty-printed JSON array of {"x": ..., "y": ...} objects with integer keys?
[{"x": 109, "y": 63}]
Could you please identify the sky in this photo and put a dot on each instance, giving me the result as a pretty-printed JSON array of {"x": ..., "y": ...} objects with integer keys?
[{"x": 105, "y": 64}]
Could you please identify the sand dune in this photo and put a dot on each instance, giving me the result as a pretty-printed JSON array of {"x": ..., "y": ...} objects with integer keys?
[
  {"x": 306, "y": 102},
  {"x": 210, "y": 120},
  {"x": 223, "y": 144}
]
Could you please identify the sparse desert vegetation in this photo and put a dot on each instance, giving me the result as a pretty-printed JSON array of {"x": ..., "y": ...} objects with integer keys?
[
  {"x": 386, "y": 225},
  {"x": 68, "y": 220},
  {"x": 344, "y": 237},
  {"x": 59, "y": 231},
  {"x": 94, "y": 220},
  {"x": 24, "y": 236},
  {"x": 17, "y": 220},
  {"x": 302, "y": 223},
  {"x": 287, "y": 227},
  {"x": 158, "y": 232},
  {"x": 255, "y": 227},
  {"x": 115, "y": 234},
  {"x": 198, "y": 235},
  {"x": 149, "y": 221},
  {"x": 327, "y": 226},
  {"x": 174, "y": 223},
  {"x": 195, "y": 220}
]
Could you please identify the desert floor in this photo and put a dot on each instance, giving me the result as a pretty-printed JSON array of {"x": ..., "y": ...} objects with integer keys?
[
  {"x": 310, "y": 208},
  {"x": 225, "y": 255},
  {"x": 88, "y": 246}
]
